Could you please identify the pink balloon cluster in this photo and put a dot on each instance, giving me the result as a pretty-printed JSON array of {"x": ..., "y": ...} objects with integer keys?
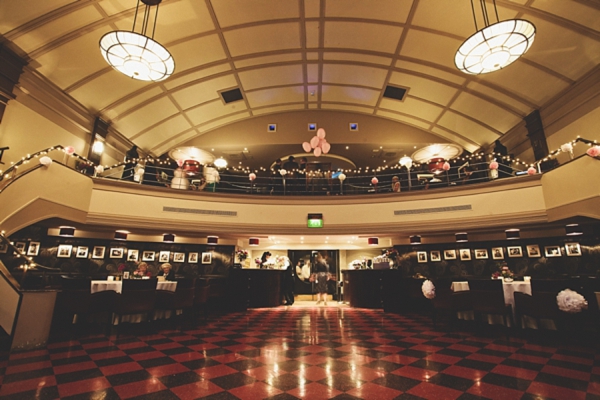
[{"x": 317, "y": 144}]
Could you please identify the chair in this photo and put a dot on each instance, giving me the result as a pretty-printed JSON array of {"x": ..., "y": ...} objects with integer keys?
[
  {"x": 181, "y": 299},
  {"x": 448, "y": 302},
  {"x": 549, "y": 285},
  {"x": 201, "y": 296},
  {"x": 138, "y": 296},
  {"x": 487, "y": 297}
]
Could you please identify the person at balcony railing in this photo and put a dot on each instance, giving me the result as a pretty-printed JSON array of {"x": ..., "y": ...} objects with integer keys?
[
  {"x": 211, "y": 178},
  {"x": 501, "y": 151},
  {"x": 276, "y": 178},
  {"x": 130, "y": 161},
  {"x": 395, "y": 184},
  {"x": 291, "y": 178}
]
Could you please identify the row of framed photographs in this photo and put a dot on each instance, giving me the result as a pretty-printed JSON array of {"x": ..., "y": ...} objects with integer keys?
[
  {"x": 497, "y": 253},
  {"x": 99, "y": 252}
]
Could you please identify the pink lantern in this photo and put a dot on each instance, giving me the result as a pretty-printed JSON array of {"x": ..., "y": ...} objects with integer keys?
[
  {"x": 314, "y": 142},
  {"x": 374, "y": 181},
  {"x": 252, "y": 176},
  {"x": 326, "y": 147},
  {"x": 317, "y": 151},
  {"x": 531, "y": 171},
  {"x": 446, "y": 166},
  {"x": 593, "y": 151},
  {"x": 69, "y": 150},
  {"x": 306, "y": 147},
  {"x": 494, "y": 165},
  {"x": 321, "y": 133}
]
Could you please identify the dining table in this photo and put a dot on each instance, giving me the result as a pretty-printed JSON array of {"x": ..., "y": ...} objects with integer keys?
[{"x": 117, "y": 286}]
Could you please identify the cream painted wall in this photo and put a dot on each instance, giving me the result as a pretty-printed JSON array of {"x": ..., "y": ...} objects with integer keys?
[
  {"x": 25, "y": 131},
  {"x": 586, "y": 127}
]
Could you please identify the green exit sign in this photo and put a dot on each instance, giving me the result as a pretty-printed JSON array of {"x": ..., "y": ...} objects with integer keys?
[{"x": 315, "y": 220}]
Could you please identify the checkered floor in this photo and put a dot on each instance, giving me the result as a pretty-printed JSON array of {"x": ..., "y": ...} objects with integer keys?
[{"x": 304, "y": 353}]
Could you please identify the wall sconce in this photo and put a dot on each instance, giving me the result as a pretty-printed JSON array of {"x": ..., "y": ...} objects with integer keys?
[
  {"x": 253, "y": 241},
  {"x": 512, "y": 234},
  {"x": 373, "y": 241},
  {"x": 212, "y": 240},
  {"x": 168, "y": 238},
  {"x": 573, "y": 230},
  {"x": 66, "y": 231},
  {"x": 121, "y": 235},
  {"x": 462, "y": 237},
  {"x": 415, "y": 239}
]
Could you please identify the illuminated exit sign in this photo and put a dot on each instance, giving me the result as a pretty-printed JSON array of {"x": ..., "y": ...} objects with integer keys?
[{"x": 315, "y": 220}]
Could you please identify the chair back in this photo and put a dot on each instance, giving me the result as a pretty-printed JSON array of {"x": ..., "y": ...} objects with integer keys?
[
  {"x": 137, "y": 296},
  {"x": 75, "y": 283},
  {"x": 488, "y": 285},
  {"x": 139, "y": 284},
  {"x": 184, "y": 293},
  {"x": 201, "y": 293},
  {"x": 549, "y": 285}
]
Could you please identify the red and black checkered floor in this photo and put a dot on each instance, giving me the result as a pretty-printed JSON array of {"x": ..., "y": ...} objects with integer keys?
[{"x": 304, "y": 353}]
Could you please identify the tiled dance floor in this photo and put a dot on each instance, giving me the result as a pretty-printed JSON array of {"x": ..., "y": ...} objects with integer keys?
[{"x": 303, "y": 353}]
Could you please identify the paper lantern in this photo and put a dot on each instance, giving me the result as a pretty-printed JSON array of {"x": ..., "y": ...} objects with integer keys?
[{"x": 306, "y": 147}]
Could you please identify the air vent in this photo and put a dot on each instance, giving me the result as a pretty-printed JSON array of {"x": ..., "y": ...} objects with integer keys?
[
  {"x": 229, "y": 96},
  {"x": 394, "y": 92},
  {"x": 199, "y": 211},
  {"x": 465, "y": 207}
]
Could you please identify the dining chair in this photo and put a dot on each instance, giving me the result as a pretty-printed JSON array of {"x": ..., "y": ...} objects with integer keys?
[
  {"x": 447, "y": 302},
  {"x": 201, "y": 296},
  {"x": 487, "y": 297},
  {"x": 181, "y": 299},
  {"x": 138, "y": 296}
]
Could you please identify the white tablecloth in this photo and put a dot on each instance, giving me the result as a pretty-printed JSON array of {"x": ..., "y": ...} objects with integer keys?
[{"x": 117, "y": 286}]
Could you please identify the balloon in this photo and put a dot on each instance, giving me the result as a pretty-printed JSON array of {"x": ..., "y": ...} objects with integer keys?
[
  {"x": 446, "y": 166},
  {"x": 314, "y": 142},
  {"x": 69, "y": 150},
  {"x": 326, "y": 147},
  {"x": 99, "y": 169},
  {"x": 374, "y": 181},
  {"x": 317, "y": 151},
  {"x": 531, "y": 171},
  {"x": 252, "y": 176},
  {"x": 283, "y": 172},
  {"x": 180, "y": 162},
  {"x": 321, "y": 133},
  {"x": 593, "y": 151},
  {"x": 342, "y": 177},
  {"x": 306, "y": 147},
  {"x": 494, "y": 165},
  {"x": 45, "y": 161},
  {"x": 567, "y": 147}
]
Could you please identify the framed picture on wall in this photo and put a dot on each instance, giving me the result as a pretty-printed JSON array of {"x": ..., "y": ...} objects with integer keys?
[
  {"x": 133, "y": 255},
  {"x": 116, "y": 252},
  {"x": 573, "y": 249},
  {"x": 533, "y": 250},
  {"x": 64, "y": 251},
  {"x": 3, "y": 248},
  {"x": 450, "y": 254},
  {"x": 422, "y": 256},
  {"x": 206, "y": 258},
  {"x": 514, "y": 251},
  {"x": 164, "y": 256},
  {"x": 21, "y": 246},
  {"x": 98, "y": 252},
  {"x": 192, "y": 257},
  {"x": 435, "y": 255},
  {"x": 465, "y": 254},
  {"x": 552, "y": 251},
  {"x": 148, "y": 256},
  {"x": 178, "y": 257},
  {"x": 34, "y": 249},
  {"x": 82, "y": 252},
  {"x": 481, "y": 254},
  {"x": 497, "y": 253}
]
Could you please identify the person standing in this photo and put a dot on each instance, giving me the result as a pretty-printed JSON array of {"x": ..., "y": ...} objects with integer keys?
[
  {"x": 264, "y": 258},
  {"x": 291, "y": 166},
  {"x": 395, "y": 184},
  {"x": 320, "y": 279},
  {"x": 289, "y": 279},
  {"x": 131, "y": 158}
]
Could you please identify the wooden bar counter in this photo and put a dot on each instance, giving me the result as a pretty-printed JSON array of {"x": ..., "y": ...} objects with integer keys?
[
  {"x": 263, "y": 287},
  {"x": 362, "y": 287}
]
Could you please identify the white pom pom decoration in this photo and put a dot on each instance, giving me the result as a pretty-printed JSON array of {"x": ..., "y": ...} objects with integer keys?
[
  {"x": 428, "y": 289},
  {"x": 45, "y": 161},
  {"x": 99, "y": 169},
  {"x": 570, "y": 301}
]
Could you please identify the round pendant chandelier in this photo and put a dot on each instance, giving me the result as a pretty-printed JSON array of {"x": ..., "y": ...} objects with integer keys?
[
  {"x": 495, "y": 46},
  {"x": 136, "y": 55}
]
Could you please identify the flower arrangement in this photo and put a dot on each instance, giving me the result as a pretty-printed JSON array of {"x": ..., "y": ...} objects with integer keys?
[
  {"x": 570, "y": 301},
  {"x": 242, "y": 255},
  {"x": 503, "y": 272},
  {"x": 257, "y": 261}
]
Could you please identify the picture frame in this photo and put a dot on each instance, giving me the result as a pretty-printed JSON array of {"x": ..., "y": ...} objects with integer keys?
[
  {"x": 497, "y": 253},
  {"x": 163, "y": 257},
  {"x": 193, "y": 258},
  {"x": 133, "y": 255},
  {"x": 33, "y": 249},
  {"x": 421, "y": 256},
  {"x": 465, "y": 254},
  {"x": 481, "y": 254},
  {"x": 3, "y": 248},
  {"x": 21, "y": 246},
  {"x": 98, "y": 252},
  {"x": 179, "y": 257},
  {"x": 148, "y": 255},
  {"x": 206, "y": 258},
  {"x": 82, "y": 252},
  {"x": 552, "y": 251},
  {"x": 533, "y": 250},
  {"x": 64, "y": 251},
  {"x": 116, "y": 252},
  {"x": 435, "y": 255},
  {"x": 514, "y": 251},
  {"x": 450, "y": 254},
  {"x": 572, "y": 249}
]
